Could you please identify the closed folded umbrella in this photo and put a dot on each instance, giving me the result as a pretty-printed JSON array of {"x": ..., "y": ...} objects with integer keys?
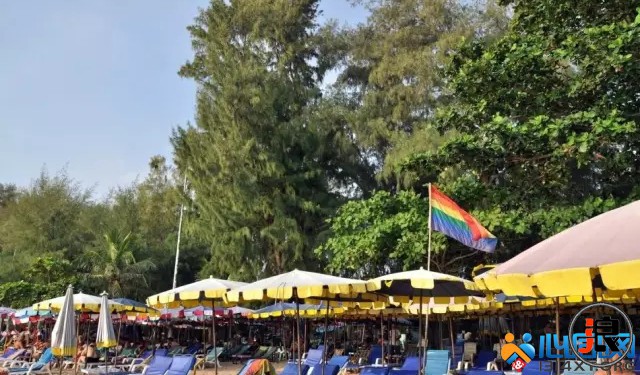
[
  {"x": 63, "y": 337},
  {"x": 106, "y": 337}
]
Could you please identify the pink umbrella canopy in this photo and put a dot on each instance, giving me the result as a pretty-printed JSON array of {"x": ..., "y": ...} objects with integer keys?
[{"x": 600, "y": 253}]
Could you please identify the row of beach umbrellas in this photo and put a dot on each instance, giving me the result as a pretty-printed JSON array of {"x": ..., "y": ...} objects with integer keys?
[{"x": 591, "y": 261}]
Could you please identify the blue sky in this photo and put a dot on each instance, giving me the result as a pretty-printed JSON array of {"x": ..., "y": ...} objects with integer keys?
[{"x": 91, "y": 86}]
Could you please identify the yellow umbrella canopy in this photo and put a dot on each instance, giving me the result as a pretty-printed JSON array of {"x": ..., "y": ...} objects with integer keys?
[
  {"x": 422, "y": 286},
  {"x": 81, "y": 302},
  {"x": 289, "y": 309},
  {"x": 455, "y": 305},
  {"x": 302, "y": 285},
  {"x": 190, "y": 295},
  {"x": 600, "y": 254}
]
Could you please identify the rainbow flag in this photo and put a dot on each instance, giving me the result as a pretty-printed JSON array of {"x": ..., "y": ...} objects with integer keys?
[{"x": 448, "y": 218}]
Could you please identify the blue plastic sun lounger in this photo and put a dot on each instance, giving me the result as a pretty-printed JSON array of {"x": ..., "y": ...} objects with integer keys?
[
  {"x": 375, "y": 370},
  {"x": 314, "y": 356},
  {"x": 41, "y": 366},
  {"x": 181, "y": 364},
  {"x": 159, "y": 365},
  {"x": 437, "y": 362},
  {"x": 410, "y": 366},
  {"x": 332, "y": 367}
]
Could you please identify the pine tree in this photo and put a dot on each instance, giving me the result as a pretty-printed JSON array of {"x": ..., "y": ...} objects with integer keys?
[{"x": 266, "y": 174}]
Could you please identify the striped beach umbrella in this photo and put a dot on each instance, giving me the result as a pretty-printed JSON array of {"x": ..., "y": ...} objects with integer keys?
[{"x": 63, "y": 337}]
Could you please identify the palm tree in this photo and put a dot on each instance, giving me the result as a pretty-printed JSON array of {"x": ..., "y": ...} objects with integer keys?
[{"x": 115, "y": 265}]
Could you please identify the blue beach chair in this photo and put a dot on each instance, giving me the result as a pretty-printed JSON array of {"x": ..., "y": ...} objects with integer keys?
[
  {"x": 42, "y": 366},
  {"x": 159, "y": 365},
  {"x": 410, "y": 366},
  {"x": 181, "y": 364},
  {"x": 437, "y": 362},
  {"x": 332, "y": 367},
  {"x": 311, "y": 360}
]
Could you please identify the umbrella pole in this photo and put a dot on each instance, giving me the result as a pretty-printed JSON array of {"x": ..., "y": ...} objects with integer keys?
[
  {"x": 558, "y": 369},
  {"x": 382, "y": 334},
  {"x": 119, "y": 329},
  {"x": 420, "y": 334},
  {"x": 299, "y": 353},
  {"x": 213, "y": 326},
  {"x": 453, "y": 344},
  {"x": 440, "y": 332},
  {"x": 426, "y": 336},
  {"x": 75, "y": 367},
  {"x": 324, "y": 349}
]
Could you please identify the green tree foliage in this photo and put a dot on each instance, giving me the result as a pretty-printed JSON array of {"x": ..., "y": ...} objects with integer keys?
[
  {"x": 116, "y": 268},
  {"x": 54, "y": 233},
  {"x": 546, "y": 120},
  {"x": 47, "y": 277},
  {"x": 391, "y": 86},
  {"x": 389, "y": 233},
  {"x": 265, "y": 170},
  {"x": 392, "y": 79},
  {"x": 47, "y": 217}
]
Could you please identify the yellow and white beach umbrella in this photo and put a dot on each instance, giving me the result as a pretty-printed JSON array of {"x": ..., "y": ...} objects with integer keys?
[
  {"x": 424, "y": 286},
  {"x": 106, "y": 337},
  {"x": 597, "y": 256},
  {"x": 191, "y": 295},
  {"x": 63, "y": 337},
  {"x": 81, "y": 302},
  {"x": 300, "y": 285}
]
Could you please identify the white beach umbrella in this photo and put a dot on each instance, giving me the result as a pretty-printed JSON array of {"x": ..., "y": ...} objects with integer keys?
[
  {"x": 63, "y": 337},
  {"x": 106, "y": 337}
]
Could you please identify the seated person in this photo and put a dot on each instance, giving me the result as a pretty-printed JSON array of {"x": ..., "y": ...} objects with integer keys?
[
  {"x": 38, "y": 349},
  {"x": 88, "y": 354}
]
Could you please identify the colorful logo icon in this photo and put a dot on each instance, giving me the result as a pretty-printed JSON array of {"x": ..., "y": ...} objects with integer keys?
[
  {"x": 603, "y": 338},
  {"x": 517, "y": 355}
]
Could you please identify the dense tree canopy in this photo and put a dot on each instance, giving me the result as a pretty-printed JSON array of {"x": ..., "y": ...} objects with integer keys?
[
  {"x": 546, "y": 121},
  {"x": 265, "y": 170},
  {"x": 525, "y": 113}
]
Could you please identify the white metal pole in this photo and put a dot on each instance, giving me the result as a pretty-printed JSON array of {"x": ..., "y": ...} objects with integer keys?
[{"x": 175, "y": 268}]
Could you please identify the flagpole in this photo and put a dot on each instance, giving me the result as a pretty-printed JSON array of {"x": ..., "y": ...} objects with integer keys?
[
  {"x": 429, "y": 242},
  {"x": 426, "y": 319}
]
